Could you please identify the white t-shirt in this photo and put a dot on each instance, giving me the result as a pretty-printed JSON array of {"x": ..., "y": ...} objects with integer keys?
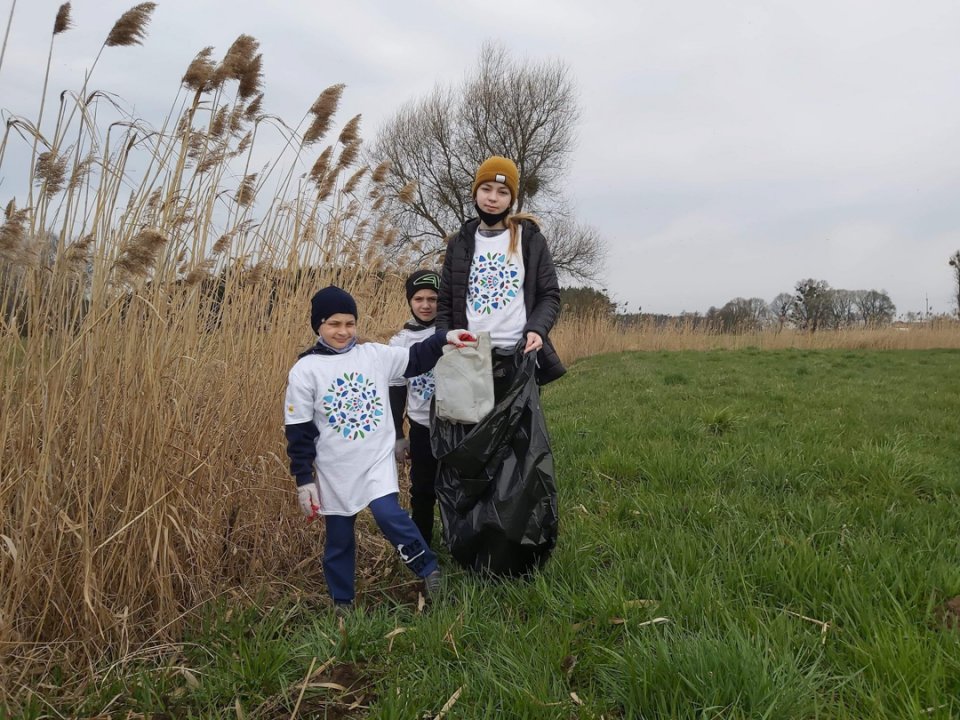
[
  {"x": 347, "y": 397},
  {"x": 419, "y": 388},
  {"x": 495, "y": 291}
]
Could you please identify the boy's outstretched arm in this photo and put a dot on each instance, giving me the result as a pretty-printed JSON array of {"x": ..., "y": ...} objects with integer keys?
[{"x": 425, "y": 354}]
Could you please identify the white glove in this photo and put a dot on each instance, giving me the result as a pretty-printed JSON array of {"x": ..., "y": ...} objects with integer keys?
[
  {"x": 309, "y": 498},
  {"x": 462, "y": 338},
  {"x": 401, "y": 449}
]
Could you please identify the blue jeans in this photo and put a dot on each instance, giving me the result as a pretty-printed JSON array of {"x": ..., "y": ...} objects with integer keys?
[{"x": 340, "y": 550}]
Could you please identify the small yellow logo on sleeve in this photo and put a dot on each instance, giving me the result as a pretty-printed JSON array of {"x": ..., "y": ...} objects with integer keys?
[{"x": 290, "y": 409}]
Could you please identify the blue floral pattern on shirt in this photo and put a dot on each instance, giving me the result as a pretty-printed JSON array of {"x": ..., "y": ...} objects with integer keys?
[
  {"x": 352, "y": 406},
  {"x": 422, "y": 385},
  {"x": 494, "y": 282}
]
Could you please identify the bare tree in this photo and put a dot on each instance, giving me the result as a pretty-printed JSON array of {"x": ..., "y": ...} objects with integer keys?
[
  {"x": 843, "y": 307},
  {"x": 954, "y": 262},
  {"x": 811, "y": 309},
  {"x": 525, "y": 111},
  {"x": 875, "y": 307},
  {"x": 743, "y": 315},
  {"x": 577, "y": 249},
  {"x": 780, "y": 308}
]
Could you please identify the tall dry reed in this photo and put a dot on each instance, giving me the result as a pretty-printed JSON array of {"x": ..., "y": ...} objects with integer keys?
[{"x": 153, "y": 295}]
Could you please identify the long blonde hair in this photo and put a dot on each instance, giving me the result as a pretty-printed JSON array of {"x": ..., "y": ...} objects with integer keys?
[{"x": 514, "y": 224}]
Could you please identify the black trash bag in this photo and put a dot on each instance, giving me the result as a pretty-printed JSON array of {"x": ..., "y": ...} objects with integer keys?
[{"x": 496, "y": 484}]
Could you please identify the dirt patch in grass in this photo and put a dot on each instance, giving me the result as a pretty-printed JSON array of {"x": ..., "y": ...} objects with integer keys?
[
  {"x": 947, "y": 614},
  {"x": 340, "y": 691}
]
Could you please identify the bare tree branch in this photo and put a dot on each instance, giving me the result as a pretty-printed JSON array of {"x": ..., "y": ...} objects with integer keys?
[{"x": 525, "y": 111}]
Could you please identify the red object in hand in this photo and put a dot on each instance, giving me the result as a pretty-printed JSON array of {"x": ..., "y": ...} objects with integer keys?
[
  {"x": 316, "y": 513},
  {"x": 460, "y": 338}
]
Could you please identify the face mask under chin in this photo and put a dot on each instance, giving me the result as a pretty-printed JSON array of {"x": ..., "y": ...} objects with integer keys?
[{"x": 488, "y": 218}]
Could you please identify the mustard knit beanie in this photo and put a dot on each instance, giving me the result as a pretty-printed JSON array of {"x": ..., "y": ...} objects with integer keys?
[{"x": 498, "y": 169}]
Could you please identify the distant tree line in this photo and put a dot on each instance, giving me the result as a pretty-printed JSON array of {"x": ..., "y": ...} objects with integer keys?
[{"x": 812, "y": 306}]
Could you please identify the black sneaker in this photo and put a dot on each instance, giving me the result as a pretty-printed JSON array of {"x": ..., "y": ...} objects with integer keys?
[
  {"x": 343, "y": 610},
  {"x": 432, "y": 583}
]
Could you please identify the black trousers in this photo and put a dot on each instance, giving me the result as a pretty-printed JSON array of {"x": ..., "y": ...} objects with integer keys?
[{"x": 423, "y": 475}]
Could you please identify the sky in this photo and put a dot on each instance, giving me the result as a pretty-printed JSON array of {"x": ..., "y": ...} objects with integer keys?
[{"x": 725, "y": 149}]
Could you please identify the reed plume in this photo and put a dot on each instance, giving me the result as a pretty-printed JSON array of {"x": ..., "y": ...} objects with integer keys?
[
  {"x": 210, "y": 161},
  {"x": 322, "y": 110},
  {"x": 407, "y": 192},
  {"x": 252, "y": 78},
  {"x": 62, "y": 22},
  {"x": 77, "y": 254},
  {"x": 238, "y": 56},
  {"x": 131, "y": 28},
  {"x": 80, "y": 171},
  {"x": 219, "y": 123},
  {"x": 255, "y": 274},
  {"x": 223, "y": 242},
  {"x": 322, "y": 164},
  {"x": 200, "y": 72},
  {"x": 326, "y": 187},
  {"x": 200, "y": 273},
  {"x": 380, "y": 172},
  {"x": 349, "y": 155},
  {"x": 351, "y": 131},
  {"x": 241, "y": 63},
  {"x": 247, "y": 190},
  {"x": 309, "y": 232},
  {"x": 253, "y": 108},
  {"x": 379, "y": 233},
  {"x": 354, "y": 180},
  {"x": 139, "y": 255},
  {"x": 50, "y": 172},
  {"x": 236, "y": 118},
  {"x": 13, "y": 230},
  {"x": 244, "y": 143}
]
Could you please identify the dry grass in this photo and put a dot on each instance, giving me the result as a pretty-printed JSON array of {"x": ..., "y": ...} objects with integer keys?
[
  {"x": 147, "y": 323},
  {"x": 581, "y": 336}
]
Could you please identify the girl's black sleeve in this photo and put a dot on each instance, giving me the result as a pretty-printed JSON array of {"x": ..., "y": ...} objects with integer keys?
[
  {"x": 445, "y": 294},
  {"x": 546, "y": 306}
]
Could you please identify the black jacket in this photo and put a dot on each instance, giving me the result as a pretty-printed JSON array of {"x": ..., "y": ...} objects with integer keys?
[{"x": 541, "y": 290}]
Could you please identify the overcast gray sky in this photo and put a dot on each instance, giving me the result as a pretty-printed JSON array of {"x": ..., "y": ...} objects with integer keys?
[{"x": 726, "y": 148}]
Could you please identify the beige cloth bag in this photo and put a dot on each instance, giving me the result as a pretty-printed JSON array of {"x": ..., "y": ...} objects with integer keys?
[{"x": 463, "y": 382}]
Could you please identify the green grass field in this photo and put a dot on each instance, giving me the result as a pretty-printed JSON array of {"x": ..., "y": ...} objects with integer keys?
[{"x": 743, "y": 535}]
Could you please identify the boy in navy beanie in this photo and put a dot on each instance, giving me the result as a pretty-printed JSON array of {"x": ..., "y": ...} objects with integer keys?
[{"x": 340, "y": 440}]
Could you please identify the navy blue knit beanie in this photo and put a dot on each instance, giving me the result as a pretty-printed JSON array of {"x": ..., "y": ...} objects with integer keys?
[{"x": 330, "y": 301}]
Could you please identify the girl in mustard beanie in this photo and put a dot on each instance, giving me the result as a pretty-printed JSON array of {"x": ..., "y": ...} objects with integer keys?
[
  {"x": 498, "y": 274},
  {"x": 498, "y": 277}
]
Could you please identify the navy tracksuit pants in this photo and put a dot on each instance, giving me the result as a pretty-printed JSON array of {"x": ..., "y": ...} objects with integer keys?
[{"x": 340, "y": 549}]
